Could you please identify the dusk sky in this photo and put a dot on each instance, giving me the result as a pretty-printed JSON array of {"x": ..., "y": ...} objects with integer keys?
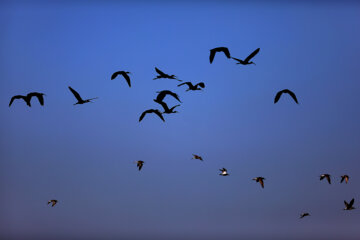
[{"x": 84, "y": 155}]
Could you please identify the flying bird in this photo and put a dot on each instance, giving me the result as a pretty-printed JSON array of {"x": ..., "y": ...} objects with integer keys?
[
  {"x": 164, "y": 75},
  {"x": 327, "y": 176},
  {"x": 27, "y": 98},
  {"x": 156, "y": 111},
  {"x": 260, "y": 180},
  {"x": 223, "y": 172},
  {"x": 344, "y": 177},
  {"x": 200, "y": 158},
  {"x": 78, "y": 98},
  {"x": 349, "y": 206},
  {"x": 213, "y": 51},
  {"x": 167, "y": 109},
  {"x": 304, "y": 215},
  {"x": 53, "y": 201},
  {"x": 124, "y": 74},
  {"x": 246, "y": 61},
  {"x": 198, "y": 86},
  {"x": 139, "y": 164},
  {"x": 161, "y": 95},
  {"x": 278, "y": 95}
]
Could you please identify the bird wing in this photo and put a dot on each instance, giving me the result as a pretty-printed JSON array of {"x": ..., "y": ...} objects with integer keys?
[
  {"x": 76, "y": 94},
  {"x": 157, "y": 112},
  {"x": 39, "y": 96},
  {"x": 53, "y": 203},
  {"x": 351, "y": 202},
  {"x": 159, "y": 72},
  {"x": 346, "y": 204},
  {"x": 342, "y": 179},
  {"x": 252, "y": 55},
  {"x": 212, "y": 55},
  {"x": 261, "y": 183},
  {"x": 239, "y": 60},
  {"x": 127, "y": 78},
  {"x": 277, "y": 97},
  {"x": 140, "y": 166},
  {"x": 187, "y": 83},
  {"x": 171, "y": 109},
  {"x": 114, "y": 75},
  {"x": 226, "y": 51},
  {"x": 292, "y": 95},
  {"x": 174, "y": 95},
  {"x": 200, "y": 84},
  {"x": 328, "y": 178},
  {"x": 143, "y": 114},
  {"x": 17, "y": 97},
  {"x": 164, "y": 105}
]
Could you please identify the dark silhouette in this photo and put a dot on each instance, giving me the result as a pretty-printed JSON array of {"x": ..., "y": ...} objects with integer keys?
[
  {"x": 278, "y": 95},
  {"x": 160, "y": 97},
  {"x": 27, "y": 98},
  {"x": 164, "y": 75},
  {"x": 260, "y": 180},
  {"x": 53, "y": 201},
  {"x": 167, "y": 109},
  {"x": 349, "y": 206},
  {"x": 200, "y": 158},
  {"x": 219, "y": 49},
  {"x": 139, "y": 164},
  {"x": 304, "y": 215},
  {"x": 78, "y": 98},
  {"x": 156, "y": 111},
  {"x": 223, "y": 172},
  {"x": 246, "y": 61},
  {"x": 192, "y": 87},
  {"x": 344, "y": 177},
  {"x": 124, "y": 74},
  {"x": 327, "y": 176}
]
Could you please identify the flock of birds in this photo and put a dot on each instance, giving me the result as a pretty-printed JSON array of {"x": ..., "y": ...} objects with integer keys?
[{"x": 166, "y": 110}]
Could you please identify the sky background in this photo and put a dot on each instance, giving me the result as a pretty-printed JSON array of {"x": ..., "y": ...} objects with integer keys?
[{"x": 84, "y": 155}]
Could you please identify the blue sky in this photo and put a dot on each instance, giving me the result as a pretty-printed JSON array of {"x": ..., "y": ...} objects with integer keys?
[{"x": 84, "y": 155}]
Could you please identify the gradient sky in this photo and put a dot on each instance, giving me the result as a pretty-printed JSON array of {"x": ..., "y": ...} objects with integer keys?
[{"x": 84, "y": 155}]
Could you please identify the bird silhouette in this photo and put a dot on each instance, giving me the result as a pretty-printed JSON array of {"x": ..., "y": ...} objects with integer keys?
[
  {"x": 278, "y": 95},
  {"x": 260, "y": 180},
  {"x": 167, "y": 109},
  {"x": 78, "y": 98},
  {"x": 192, "y": 87},
  {"x": 28, "y": 97},
  {"x": 223, "y": 172},
  {"x": 200, "y": 158},
  {"x": 327, "y": 176},
  {"x": 124, "y": 74},
  {"x": 164, "y": 75},
  {"x": 246, "y": 61},
  {"x": 304, "y": 215},
  {"x": 349, "y": 206},
  {"x": 162, "y": 94},
  {"x": 53, "y": 201},
  {"x": 139, "y": 164},
  {"x": 344, "y": 177},
  {"x": 213, "y": 51},
  {"x": 156, "y": 111}
]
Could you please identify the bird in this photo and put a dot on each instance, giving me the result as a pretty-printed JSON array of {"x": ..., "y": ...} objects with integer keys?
[
  {"x": 124, "y": 74},
  {"x": 164, "y": 75},
  {"x": 139, "y": 164},
  {"x": 200, "y": 158},
  {"x": 246, "y": 61},
  {"x": 53, "y": 201},
  {"x": 327, "y": 176},
  {"x": 344, "y": 177},
  {"x": 167, "y": 109},
  {"x": 349, "y": 206},
  {"x": 162, "y": 94},
  {"x": 278, "y": 95},
  {"x": 213, "y": 51},
  {"x": 192, "y": 87},
  {"x": 223, "y": 172},
  {"x": 304, "y": 215},
  {"x": 260, "y": 180},
  {"x": 78, "y": 98},
  {"x": 27, "y": 98},
  {"x": 156, "y": 111}
]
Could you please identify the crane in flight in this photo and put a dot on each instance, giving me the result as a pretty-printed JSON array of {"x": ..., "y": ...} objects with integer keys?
[
  {"x": 124, "y": 74},
  {"x": 246, "y": 61},
  {"x": 192, "y": 87},
  {"x": 28, "y": 97},
  {"x": 164, "y": 75},
  {"x": 78, "y": 97}
]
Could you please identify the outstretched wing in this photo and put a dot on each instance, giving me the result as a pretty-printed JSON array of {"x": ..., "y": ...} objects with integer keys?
[
  {"x": 187, "y": 83},
  {"x": 174, "y": 95},
  {"x": 200, "y": 84},
  {"x": 114, "y": 75},
  {"x": 39, "y": 96},
  {"x": 17, "y": 97},
  {"x": 226, "y": 51},
  {"x": 157, "y": 112},
  {"x": 351, "y": 202},
  {"x": 212, "y": 55},
  {"x": 143, "y": 114},
  {"x": 346, "y": 204},
  {"x": 261, "y": 182},
  {"x": 252, "y": 55},
  {"x": 292, "y": 95},
  {"x": 159, "y": 72},
  {"x": 76, "y": 94},
  {"x": 171, "y": 109},
  {"x": 277, "y": 97},
  {"x": 328, "y": 178},
  {"x": 127, "y": 78}
]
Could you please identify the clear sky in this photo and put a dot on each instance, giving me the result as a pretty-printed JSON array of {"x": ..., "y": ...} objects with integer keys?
[{"x": 84, "y": 155}]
